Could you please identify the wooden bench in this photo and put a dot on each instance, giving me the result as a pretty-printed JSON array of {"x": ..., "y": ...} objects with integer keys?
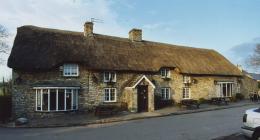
[
  {"x": 110, "y": 109},
  {"x": 190, "y": 103},
  {"x": 219, "y": 100}
]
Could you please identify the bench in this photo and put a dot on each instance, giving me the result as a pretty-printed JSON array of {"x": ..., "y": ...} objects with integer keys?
[
  {"x": 190, "y": 103},
  {"x": 109, "y": 109},
  {"x": 220, "y": 100}
]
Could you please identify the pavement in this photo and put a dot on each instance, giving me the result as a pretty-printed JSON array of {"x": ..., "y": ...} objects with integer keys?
[
  {"x": 82, "y": 119},
  {"x": 208, "y": 125}
]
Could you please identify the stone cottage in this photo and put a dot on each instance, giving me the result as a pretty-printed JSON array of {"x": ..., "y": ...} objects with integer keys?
[
  {"x": 248, "y": 84},
  {"x": 57, "y": 71}
]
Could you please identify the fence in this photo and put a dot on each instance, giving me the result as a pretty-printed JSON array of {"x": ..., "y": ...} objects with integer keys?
[{"x": 5, "y": 108}]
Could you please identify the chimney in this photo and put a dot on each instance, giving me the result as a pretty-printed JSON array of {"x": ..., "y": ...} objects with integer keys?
[
  {"x": 240, "y": 67},
  {"x": 135, "y": 35},
  {"x": 88, "y": 29}
]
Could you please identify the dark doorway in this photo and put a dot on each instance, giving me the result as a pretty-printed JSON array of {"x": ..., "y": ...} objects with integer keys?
[{"x": 142, "y": 98}]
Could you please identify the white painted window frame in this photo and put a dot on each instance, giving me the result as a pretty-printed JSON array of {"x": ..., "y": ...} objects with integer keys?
[
  {"x": 109, "y": 95},
  {"x": 184, "y": 93},
  {"x": 109, "y": 76},
  {"x": 220, "y": 90},
  {"x": 73, "y": 89},
  {"x": 186, "y": 79},
  {"x": 70, "y": 68},
  {"x": 165, "y": 73},
  {"x": 163, "y": 91}
]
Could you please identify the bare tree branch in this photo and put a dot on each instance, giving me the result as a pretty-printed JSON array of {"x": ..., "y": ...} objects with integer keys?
[{"x": 4, "y": 47}]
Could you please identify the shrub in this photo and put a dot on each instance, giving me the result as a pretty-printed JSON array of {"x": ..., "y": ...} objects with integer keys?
[
  {"x": 240, "y": 96},
  {"x": 233, "y": 99},
  {"x": 202, "y": 100}
]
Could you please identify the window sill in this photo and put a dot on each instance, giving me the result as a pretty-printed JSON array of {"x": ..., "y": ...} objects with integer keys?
[
  {"x": 70, "y": 75},
  {"x": 110, "y": 101},
  {"x": 53, "y": 111}
]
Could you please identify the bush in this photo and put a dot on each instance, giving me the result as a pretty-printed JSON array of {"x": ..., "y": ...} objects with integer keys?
[
  {"x": 159, "y": 103},
  {"x": 202, "y": 100},
  {"x": 233, "y": 99},
  {"x": 240, "y": 96}
]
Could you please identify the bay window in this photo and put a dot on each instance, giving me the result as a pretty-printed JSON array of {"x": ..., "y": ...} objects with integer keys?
[{"x": 56, "y": 99}]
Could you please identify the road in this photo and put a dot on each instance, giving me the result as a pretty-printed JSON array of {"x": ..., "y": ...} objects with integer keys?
[{"x": 197, "y": 126}]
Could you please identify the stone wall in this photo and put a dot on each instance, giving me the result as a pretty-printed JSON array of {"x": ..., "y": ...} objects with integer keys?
[
  {"x": 92, "y": 86},
  {"x": 248, "y": 86}
]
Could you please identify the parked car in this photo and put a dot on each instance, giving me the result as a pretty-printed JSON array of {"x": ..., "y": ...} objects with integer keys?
[{"x": 251, "y": 120}]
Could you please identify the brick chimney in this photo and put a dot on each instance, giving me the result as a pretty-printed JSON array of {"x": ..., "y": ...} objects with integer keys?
[
  {"x": 135, "y": 35},
  {"x": 88, "y": 29}
]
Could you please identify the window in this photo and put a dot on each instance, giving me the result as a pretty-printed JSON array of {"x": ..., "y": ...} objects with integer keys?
[
  {"x": 186, "y": 79},
  {"x": 70, "y": 70},
  {"x": 165, "y": 93},
  {"x": 186, "y": 93},
  {"x": 165, "y": 73},
  {"x": 224, "y": 89},
  {"x": 238, "y": 88},
  {"x": 56, "y": 99},
  {"x": 110, "y": 95},
  {"x": 109, "y": 77}
]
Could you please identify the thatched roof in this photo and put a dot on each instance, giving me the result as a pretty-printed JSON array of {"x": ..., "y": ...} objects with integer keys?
[{"x": 38, "y": 48}]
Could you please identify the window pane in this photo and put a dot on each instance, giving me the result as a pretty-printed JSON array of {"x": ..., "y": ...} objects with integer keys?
[
  {"x": 61, "y": 99},
  {"x": 106, "y": 76},
  {"x": 45, "y": 101},
  {"x": 38, "y": 98},
  {"x": 224, "y": 90},
  {"x": 52, "y": 99},
  {"x": 74, "y": 103},
  {"x": 68, "y": 100}
]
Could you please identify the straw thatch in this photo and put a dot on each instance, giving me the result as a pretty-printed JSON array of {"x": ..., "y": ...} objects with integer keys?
[{"x": 38, "y": 48}]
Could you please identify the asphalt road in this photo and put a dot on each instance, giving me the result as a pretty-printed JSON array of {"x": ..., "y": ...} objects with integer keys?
[{"x": 197, "y": 126}]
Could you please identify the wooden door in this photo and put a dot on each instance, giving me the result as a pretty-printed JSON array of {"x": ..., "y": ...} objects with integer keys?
[{"x": 142, "y": 98}]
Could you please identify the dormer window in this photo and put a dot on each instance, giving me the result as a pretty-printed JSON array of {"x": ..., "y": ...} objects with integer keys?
[
  {"x": 165, "y": 73},
  {"x": 186, "y": 79},
  {"x": 70, "y": 70},
  {"x": 109, "y": 77}
]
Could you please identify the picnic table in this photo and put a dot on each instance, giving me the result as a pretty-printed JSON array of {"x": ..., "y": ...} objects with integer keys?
[{"x": 190, "y": 103}]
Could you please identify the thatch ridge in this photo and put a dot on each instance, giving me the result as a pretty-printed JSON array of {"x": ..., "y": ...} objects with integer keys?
[{"x": 37, "y": 48}]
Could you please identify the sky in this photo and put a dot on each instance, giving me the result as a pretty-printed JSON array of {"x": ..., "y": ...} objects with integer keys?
[{"x": 231, "y": 27}]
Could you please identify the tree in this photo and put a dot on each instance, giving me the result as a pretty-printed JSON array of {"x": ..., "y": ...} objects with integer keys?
[
  {"x": 254, "y": 59},
  {"x": 4, "y": 47}
]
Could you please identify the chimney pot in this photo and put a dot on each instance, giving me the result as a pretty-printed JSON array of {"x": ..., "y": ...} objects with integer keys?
[
  {"x": 88, "y": 29},
  {"x": 135, "y": 34}
]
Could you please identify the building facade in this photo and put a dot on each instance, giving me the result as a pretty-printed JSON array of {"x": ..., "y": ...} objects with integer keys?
[{"x": 56, "y": 72}]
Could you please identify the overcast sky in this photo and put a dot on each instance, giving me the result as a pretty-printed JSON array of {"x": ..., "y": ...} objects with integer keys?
[{"x": 213, "y": 24}]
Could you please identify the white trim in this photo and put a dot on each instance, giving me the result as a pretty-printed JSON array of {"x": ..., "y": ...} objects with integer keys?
[
  {"x": 48, "y": 100},
  {"x": 143, "y": 77},
  {"x": 36, "y": 98},
  {"x": 109, "y": 95},
  {"x": 69, "y": 66},
  {"x": 109, "y": 77},
  {"x": 56, "y": 87},
  {"x": 169, "y": 93},
  {"x": 57, "y": 100},
  {"x": 167, "y": 73},
  {"x": 183, "y": 90}
]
